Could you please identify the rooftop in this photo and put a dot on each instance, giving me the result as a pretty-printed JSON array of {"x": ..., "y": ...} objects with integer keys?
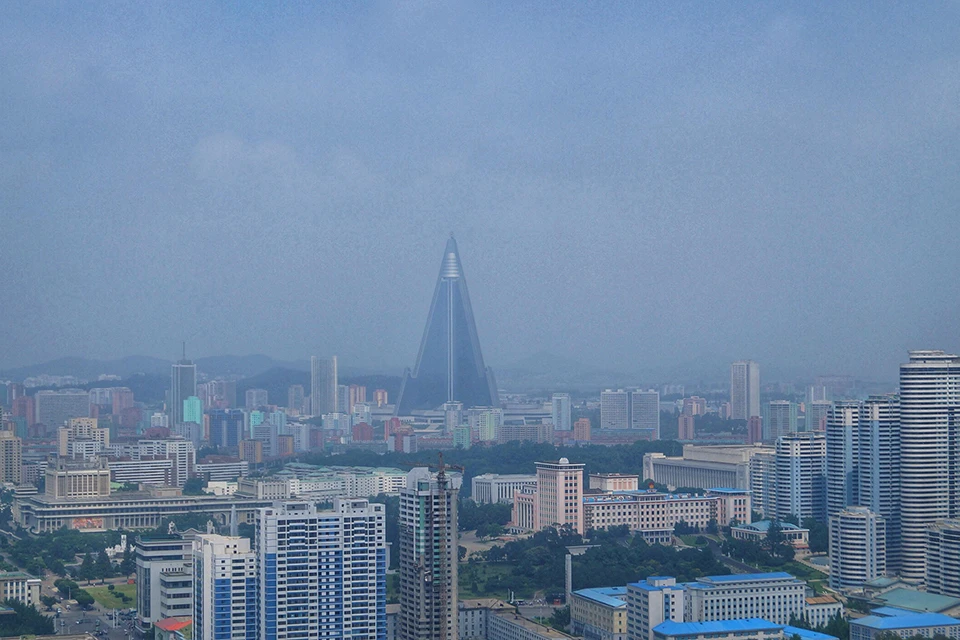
[
  {"x": 728, "y": 490},
  {"x": 825, "y": 599},
  {"x": 764, "y": 526},
  {"x": 608, "y": 596},
  {"x": 717, "y": 626},
  {"x": 917, "y": 600},
  {"x": 906, "y": 621},
  {"x": 748, "y": 577}
]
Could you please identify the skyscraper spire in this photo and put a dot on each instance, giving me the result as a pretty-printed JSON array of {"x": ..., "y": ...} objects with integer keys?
[{"x": 449, "y": 364}]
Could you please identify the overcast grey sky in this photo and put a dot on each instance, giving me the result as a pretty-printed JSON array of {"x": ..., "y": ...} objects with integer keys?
[{"x": 631, "y": 184}]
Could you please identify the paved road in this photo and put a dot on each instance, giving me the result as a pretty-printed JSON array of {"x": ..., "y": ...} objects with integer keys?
[
  {"x": 739, "y": 567},
  {"x": 76, "y": 620}
]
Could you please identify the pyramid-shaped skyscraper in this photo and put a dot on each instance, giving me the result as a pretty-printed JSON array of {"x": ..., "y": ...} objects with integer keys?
[{"x": 449, "y": 365}]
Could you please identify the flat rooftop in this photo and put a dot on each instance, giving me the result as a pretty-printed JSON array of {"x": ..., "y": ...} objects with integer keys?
[{"x": 607, "y": 596}]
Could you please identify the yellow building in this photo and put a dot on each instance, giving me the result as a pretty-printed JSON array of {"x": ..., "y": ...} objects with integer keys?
[{"x": 599, "y": 614}]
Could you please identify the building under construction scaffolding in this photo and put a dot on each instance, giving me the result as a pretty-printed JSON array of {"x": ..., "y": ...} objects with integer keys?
[{"x": 428, "y": 556}]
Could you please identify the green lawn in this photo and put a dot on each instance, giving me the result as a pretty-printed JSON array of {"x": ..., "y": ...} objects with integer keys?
[
  {"x": 691, "y": 539},
  {"x": 110, "y": 600},
  {"x": 498, "y": 576}
]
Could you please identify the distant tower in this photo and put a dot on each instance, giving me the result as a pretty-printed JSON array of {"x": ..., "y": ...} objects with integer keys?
[
  {"x": 645, "y": 413},
  {"x": 183, "y": 384},
  {"x": 561, "y": 412},
  {"x": 744, "y": 389},
  {"x": 323, "y": 385},
  {"x": 614, "y": 409},
  {"x": 449, "y": 365}
]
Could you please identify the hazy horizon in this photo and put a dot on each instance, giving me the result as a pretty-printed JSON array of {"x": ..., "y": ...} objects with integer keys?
[{"x": 633, "y": 187}]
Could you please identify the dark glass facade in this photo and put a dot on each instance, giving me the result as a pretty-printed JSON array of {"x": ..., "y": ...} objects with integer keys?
[{"x": 449, "y": 365}]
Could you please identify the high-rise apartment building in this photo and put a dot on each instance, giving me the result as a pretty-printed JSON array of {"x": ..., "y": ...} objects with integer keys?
[
  {"x": 744, "y": 389},
  {"x": 815, "y": 415},
  {"x": 686, "y": 425},
  {"x": 485, "y": 423},
  {"x": 561, "y": 412},
  {"x": 323, "y": 573},
  {"x": 255, "y": 398},
  {"x": 801, "y": 482},
  {"x": 929, "y": 451},
  {"x": 323, "y": 385},
  {"x": 121, "y": 398},
  {"x": 428, "y": 557},
  {"x": 225, "y": 588},
  {"x": 227, "y": 427},
  {"x": 54, "y": 408},
  {"x": 763, "y": 483},
  {"x": 295, "y": 398},
  {"x": 449, "y": 364},
  {"x": 645, "y": 413},
  {"x": 193, "y": 410},
  {"x": 843, "y": 456},
  {"x": 879, "y": 469},
  {"x": 779, "y": 417},
  {"x": 183, "y": 384},
  {"x": 560, "y": 494},
  {"x": 581, "y": 430},
  {"x": 614, "y": 409},
  {"x": 11, "y": 457},
  {"x": 858, "y": 548},
  {"x": 943, "y": 558}
]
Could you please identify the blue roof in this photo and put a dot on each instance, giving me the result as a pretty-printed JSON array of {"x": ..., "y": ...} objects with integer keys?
[
  {"x": 917, "y": 600},
  {"x": 729, "y": 490},
  {"x": 891, "y": 611},
  {"x": 609, "y": 596},
  {"x": 645, "y": 585},
  {"x": 806, "y": 634},
  {"x": 764, "y": 525},
  {"x": 742, "y": 577},
  {"x": 671, "y": 628},
  {"x": 906, "y": 621}
]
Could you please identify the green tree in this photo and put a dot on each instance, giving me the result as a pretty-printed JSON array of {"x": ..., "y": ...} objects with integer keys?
[
  {"x": 194, "y": 487},
  {"x": 560, "y": 619},
  {"x": 103, "y": 568},
  {"x": 25, "y": 621},
  {"x": 87, "y": 571},
  {"x": 819, "y": 535},
  {"x": 83, "y": 598},
  {"x": 48, "y": 601}
]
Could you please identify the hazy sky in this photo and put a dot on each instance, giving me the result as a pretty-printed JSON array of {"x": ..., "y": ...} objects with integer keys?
[{"x": 631, "y": 185}]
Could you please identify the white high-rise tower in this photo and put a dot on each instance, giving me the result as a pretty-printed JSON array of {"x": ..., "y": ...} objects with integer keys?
[
  {"x": 929, "y": 451},
  {"x": 744, "y": 389}
]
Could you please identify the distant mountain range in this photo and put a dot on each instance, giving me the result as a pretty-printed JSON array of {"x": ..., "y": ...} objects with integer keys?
[{"x": 89, "y": 369}]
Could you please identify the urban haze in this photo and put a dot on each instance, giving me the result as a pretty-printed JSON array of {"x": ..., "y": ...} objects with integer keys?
[{"x": 652, "y": 189}]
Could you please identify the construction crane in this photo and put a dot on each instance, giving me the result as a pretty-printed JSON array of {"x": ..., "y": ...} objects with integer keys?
[{"x": 440, "y": 587}]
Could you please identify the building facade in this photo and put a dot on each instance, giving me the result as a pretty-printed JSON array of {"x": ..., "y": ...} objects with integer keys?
[
  {"x": 491, "y": 488},
  {"x": 561, "y": 412},
  {"x": 929, "y": 451},
  {"x": 322, "y": 572},
  {"x": 744, "y": 389},
  {"x": 801, "y": 482},
  {"x": 183, "y": 384},
  {"x": 943, "y": 558},
  {"x": 599, "y": 614},
  {"x": 614, "y": 409},
  {"x": 645, "y": 413},
  {"x": 428, "y": 557},
  {"x": 323, "y": 386},
  {"x": 225, "y": 588},
  {"x": 858, "y": 548}
]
